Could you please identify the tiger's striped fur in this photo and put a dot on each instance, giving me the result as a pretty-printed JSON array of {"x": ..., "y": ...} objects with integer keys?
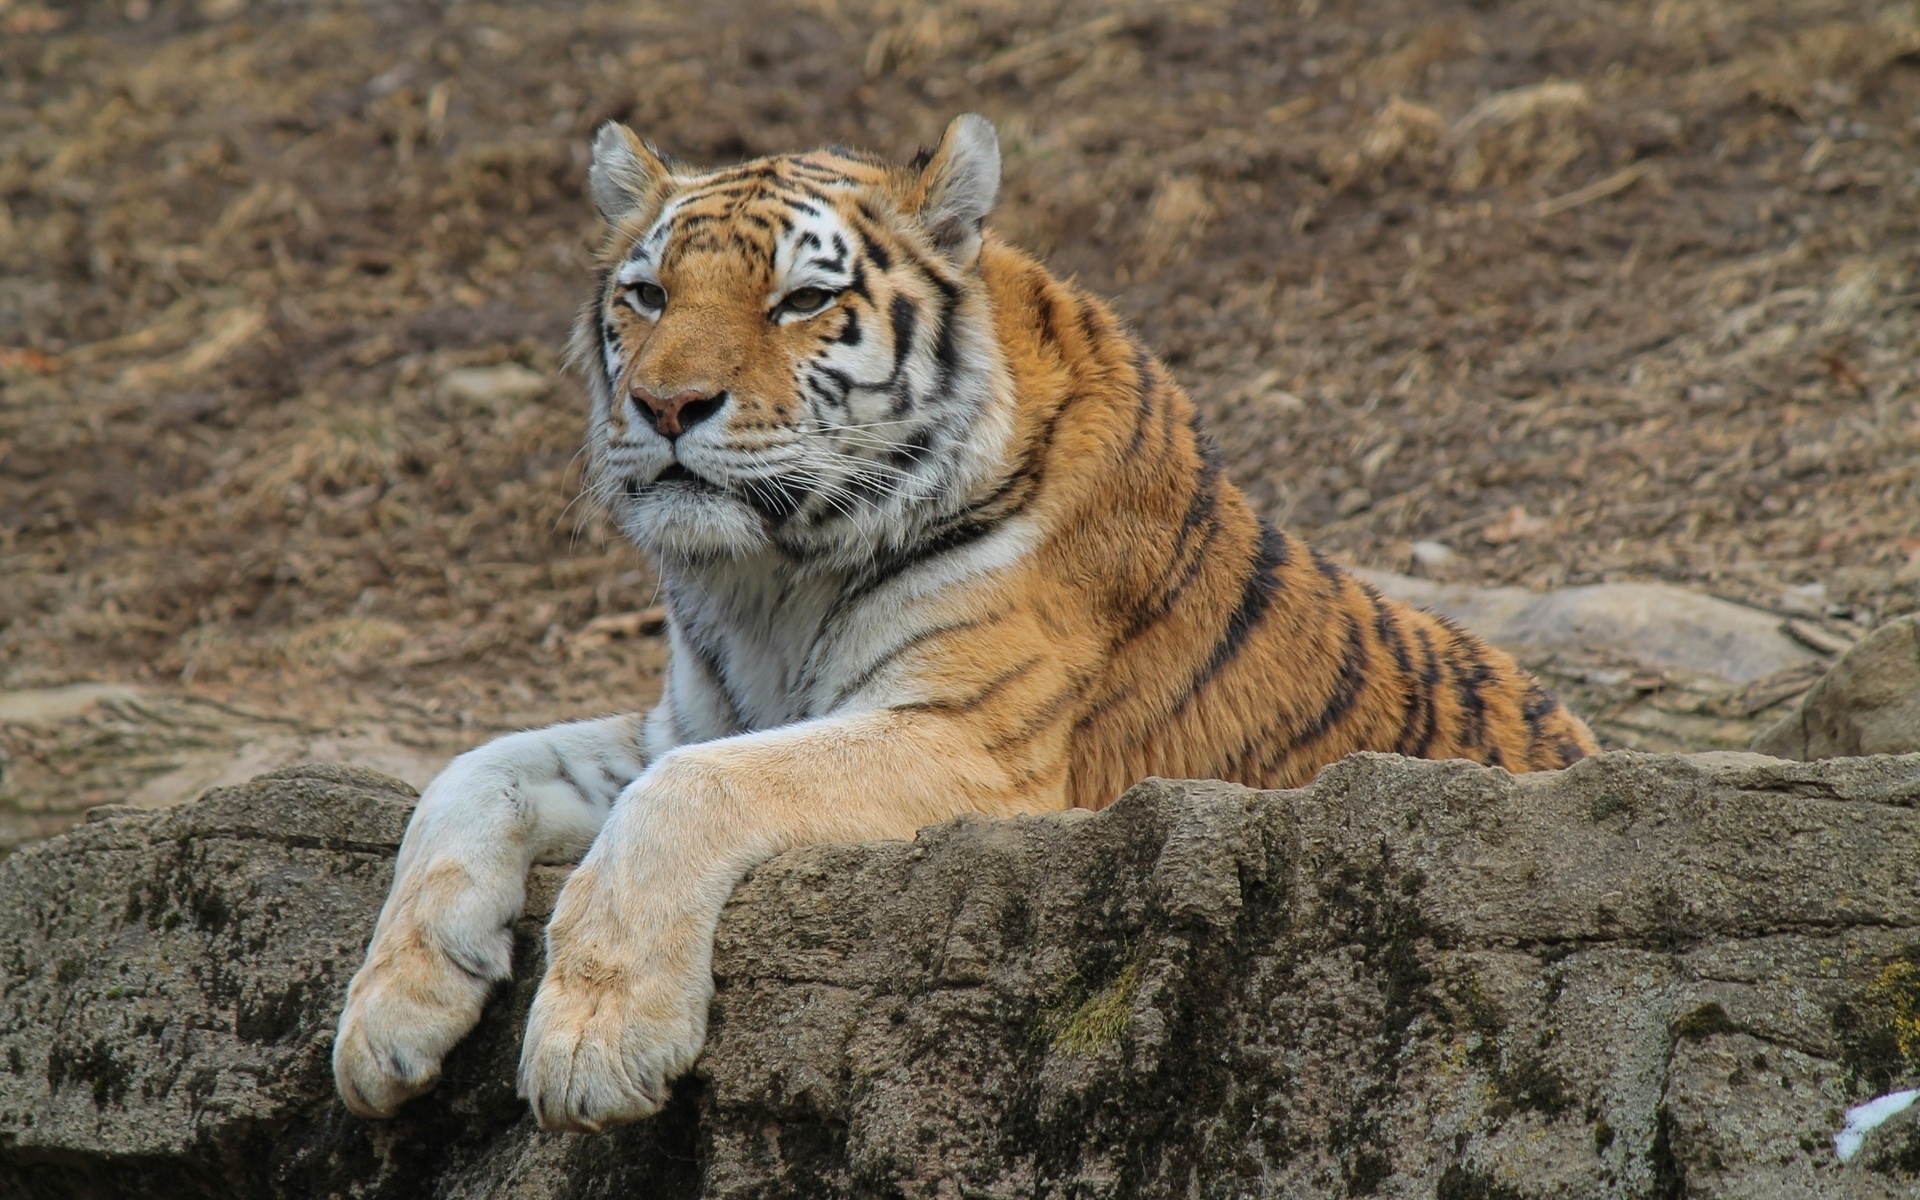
[{"x": 937, "y": 535}]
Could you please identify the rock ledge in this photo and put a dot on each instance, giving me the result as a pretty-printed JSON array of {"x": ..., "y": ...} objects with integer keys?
[{"x": 1646, "y": 976}]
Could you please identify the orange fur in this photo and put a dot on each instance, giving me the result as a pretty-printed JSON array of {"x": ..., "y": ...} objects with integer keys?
[{"x": 1151, "y": 557}]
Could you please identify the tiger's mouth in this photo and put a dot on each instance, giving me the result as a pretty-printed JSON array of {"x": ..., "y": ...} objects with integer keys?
[
  {"x": 676, "y": 472},
  {"x": 774, "y": 500}
]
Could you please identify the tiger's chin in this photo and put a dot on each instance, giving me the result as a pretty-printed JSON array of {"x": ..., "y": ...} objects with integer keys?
[{"x": 690, "y": 518}]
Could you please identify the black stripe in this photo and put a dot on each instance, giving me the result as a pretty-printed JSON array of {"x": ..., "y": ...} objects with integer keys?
[
  {"x": 609, "y": 340},
  {"x": 905, "y": 322},
  {"x": 891, "y": 655},
  {"x": 1256, "y": 598},
  {"x": 1147, "y": 386},
  {"x": 838, "y": 150},
  {"x": 838, "y": 378},
  {"x": 949, "y": 707},
  {"x": 1427, "y": 688},
  {"x": 945, "y": 352},
  {"x": 932, "y": 274},
  {"x": 573, "y": 781},
  {"x": 911, "y": 453},
  {"x": 1202, "y": 509},
  {"x": 955, "y": 536},
  {"x": 712, "y": 661},
  {"x": 1329, "y": 570},
  {"x": 970, "y": 526},
  {"x": 1387, "y": 629},
  {"x": 849, "y": 334},
  {"x": 777, "y": 499},
  {"x": 1538, "y": 706},
  {"x": 1469, "y": 673},
  {"x": 807, "y": 189},
  {"x": 1092, "y": 324},
  {"x": 1041, "y": 717},
  {"x": 1042, "y": 305},
  {"x": 731, "y": 185},
  {"x": 757, "y": 169},
  {"x": 1346, "y": 686},
  {"x": 858, "y": 284},
  {"x": 827, "y": 399},
  {"x": 876, "y": 252}
]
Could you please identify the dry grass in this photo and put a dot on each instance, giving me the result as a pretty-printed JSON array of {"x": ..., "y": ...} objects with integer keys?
[{"x": 1387, "y": 244}]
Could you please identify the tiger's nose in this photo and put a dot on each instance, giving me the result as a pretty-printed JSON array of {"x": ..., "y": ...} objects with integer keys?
[{"x": 674, "y": 415}]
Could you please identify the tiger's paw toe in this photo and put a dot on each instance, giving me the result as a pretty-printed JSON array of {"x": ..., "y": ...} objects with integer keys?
[{"x": 603, "y": 1054}]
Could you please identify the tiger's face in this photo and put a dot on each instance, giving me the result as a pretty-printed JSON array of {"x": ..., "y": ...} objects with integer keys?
[{"x": 793, "y": 353}]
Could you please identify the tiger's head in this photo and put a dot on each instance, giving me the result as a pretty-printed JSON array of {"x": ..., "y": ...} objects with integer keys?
[{"x": 794, "y": 354}]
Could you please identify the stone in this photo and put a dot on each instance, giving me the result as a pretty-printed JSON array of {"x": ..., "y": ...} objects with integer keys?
[
  {"x": 1649, "y": 975},
  {"x": 1869, "y": 703},
  {"x": 46, "y": 706},
  {"x": 1435, "y": 555},
  {"x": 1657, "y": 624},
  {"x": 492, "y": 387}
]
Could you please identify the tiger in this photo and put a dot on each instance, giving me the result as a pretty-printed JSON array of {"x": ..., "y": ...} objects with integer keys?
[{"x": 936, "y": 535}]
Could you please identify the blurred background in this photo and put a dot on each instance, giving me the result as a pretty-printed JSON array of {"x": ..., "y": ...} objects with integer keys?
[{"x": 1556, "y": 291}]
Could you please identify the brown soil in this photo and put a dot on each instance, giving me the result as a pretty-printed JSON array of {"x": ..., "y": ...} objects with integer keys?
[{"x": 1590, "y": 290}]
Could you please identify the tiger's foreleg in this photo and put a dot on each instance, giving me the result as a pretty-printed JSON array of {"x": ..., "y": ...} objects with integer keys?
[
  {"x": 444, "y": 937},
  {"x": 622, "y": 1010}
]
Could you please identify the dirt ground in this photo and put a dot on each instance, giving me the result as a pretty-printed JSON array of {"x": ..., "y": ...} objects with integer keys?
[{"x": 1580, "y": 289}]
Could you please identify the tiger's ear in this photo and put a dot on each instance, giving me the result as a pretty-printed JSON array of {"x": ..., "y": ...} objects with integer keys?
[
  {"x": 626, "y": 176},
  {"x": 956, "y": 187}
]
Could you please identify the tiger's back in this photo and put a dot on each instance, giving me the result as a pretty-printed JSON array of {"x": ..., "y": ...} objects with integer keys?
[{"x": 1217, "y": 646}]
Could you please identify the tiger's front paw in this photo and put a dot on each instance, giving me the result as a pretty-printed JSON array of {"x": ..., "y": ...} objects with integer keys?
[
  {"x": 603, "y": 1048},
  {"x": 409, "y": 1003},
  {"x": 621, "y": 1013}
]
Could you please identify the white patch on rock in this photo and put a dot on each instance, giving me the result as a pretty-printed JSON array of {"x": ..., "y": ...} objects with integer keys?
[{"x": 1863, "y": 1119}]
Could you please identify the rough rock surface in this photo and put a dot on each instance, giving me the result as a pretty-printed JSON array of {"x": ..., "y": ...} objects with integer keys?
[
  {"x": 1649, "y": 976},
  {"x": 1869, "y": 703}
]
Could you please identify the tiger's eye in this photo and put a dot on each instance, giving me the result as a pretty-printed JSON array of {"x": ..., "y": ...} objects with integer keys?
[
  {"x": 650, "y": 295},
  {"x": 809, "y": 299}
]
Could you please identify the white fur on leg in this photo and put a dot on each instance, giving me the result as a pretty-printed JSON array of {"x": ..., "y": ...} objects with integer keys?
[{"x": 444, "y": 937}]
